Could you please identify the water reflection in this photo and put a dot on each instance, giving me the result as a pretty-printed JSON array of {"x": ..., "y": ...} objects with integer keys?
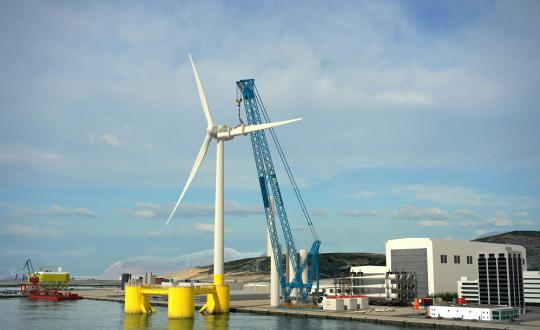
[
  {"x": 141, "y": 321},
  {"x": 135, "y": 321},
  {"x": 82, "y": 315},
  {"x": 216, "y": 321},
  {"x": 181, "y": 324}
]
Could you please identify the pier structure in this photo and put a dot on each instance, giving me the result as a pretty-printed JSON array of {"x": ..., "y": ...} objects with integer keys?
[{"x": 181, "y": 299}]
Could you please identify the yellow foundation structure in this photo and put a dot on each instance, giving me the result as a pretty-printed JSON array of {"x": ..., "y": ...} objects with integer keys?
[
  {"x": 217, "y": 301},
  {"x": 181, "y": 299},
  {"x": 181, "y": 303},
  {"x": 136, "y": 302}
]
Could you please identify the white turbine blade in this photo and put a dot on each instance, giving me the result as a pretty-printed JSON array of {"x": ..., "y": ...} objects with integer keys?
[
  {"x": 198, "y": 161},
  {"x": 242, "y": 130},
  {"x": 209, "y": 120}
]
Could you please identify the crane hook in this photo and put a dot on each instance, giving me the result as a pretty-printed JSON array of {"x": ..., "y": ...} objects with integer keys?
[{"x": 238, "y": 102}]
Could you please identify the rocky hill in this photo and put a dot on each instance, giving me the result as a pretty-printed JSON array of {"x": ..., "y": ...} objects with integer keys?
[
  {"x": 529, "y": 239},
  {"x": 258, "y": 269}
]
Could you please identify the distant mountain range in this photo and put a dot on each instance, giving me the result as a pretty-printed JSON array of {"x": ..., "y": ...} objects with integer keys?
[
  {"x": 253, "y": 266},
  {"x": 332, "y": 263},
  {"x": 529, "y": 239},
  {"x": 162, "y": 265}
]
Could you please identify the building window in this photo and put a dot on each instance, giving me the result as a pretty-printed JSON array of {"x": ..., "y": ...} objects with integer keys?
[
  {"x": 444, "y": 259},
  {"x": 469, "y": 260},
  {"x": 456, "y": 259}
]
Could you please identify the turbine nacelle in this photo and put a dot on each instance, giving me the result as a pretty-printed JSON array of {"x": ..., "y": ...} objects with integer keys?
[{"x": 222, "y": 132}]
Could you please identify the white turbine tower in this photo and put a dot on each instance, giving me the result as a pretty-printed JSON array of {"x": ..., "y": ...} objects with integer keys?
[{"x": 221, "y": 133}]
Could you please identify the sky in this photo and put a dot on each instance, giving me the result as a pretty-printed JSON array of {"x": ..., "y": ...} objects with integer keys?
[{"x": 420, "y": 119}]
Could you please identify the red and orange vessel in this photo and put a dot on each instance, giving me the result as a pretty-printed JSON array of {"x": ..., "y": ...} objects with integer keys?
[{"x": 47, "y": 285}]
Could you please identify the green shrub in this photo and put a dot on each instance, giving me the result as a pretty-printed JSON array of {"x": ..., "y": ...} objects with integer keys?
[{"x": 445, "y": 296}]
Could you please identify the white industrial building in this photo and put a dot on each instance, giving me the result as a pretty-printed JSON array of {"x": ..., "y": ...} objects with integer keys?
[
  {"x": 531, "y": 288},
  {"x": 439, "y": 264},
  {"x": 474, "y": 312},
  {"x": 468, "y": 290}
]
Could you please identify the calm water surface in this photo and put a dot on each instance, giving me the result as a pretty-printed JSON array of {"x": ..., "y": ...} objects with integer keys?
[{"x": 22, "y": 313}]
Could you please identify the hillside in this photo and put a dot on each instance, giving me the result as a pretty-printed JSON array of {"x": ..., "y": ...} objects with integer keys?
[
  {"x": 529, "y": 239},
  {"x": 258, "y": 269},
  {"x": 138, "y": 266}
]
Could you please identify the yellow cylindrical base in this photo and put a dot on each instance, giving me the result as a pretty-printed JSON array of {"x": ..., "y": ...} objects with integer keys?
[
  {"x": 181, "y": 303},
  {"x": 223, "y": 294},
  {"x": 134, "y": 299},
  {"x": 219, "y": 302},
  {"x": 218, "y": 279}
]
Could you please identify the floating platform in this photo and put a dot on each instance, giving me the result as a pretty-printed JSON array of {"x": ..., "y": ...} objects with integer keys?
[{"x": 54, "y": 296}]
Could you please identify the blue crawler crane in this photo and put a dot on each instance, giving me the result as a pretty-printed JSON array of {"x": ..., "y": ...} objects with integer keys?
[{"x": 256, "y": 114}]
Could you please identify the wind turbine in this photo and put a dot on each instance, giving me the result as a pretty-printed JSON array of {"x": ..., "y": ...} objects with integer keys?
[{"x": 220, "y": 133}]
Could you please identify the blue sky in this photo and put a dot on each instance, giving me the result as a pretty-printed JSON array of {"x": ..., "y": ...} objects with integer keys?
[{"x": 420, "y": 119}]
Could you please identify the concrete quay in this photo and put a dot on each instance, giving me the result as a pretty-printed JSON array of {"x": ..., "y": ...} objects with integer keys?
[{"x": 399, "y": 316}]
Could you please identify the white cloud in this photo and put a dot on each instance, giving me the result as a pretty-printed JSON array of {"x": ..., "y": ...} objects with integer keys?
[
  {"x": 146, "y": 214},
  {"x": 372, "y": 83},
  {"x": 148, "y": 205},
  {"x": 24, "y": 230},
  {"x": 461, "y": 196},
  {"x": 412, "y": 99},
  {"x": 470, "y": 223},
  {"x": 522, "y": 214},
  {"x": 437, "y": 217},
  {"x": 466, "y": 214},
  {"x": 359, "y": 213},
  {"x": 55, "y": 210},
  {"x": 500, "y": 222},
  {"x": 412, "y": 213},
  {"x": 80, "y": 252},
  {"x": 366, "y": 194},
  {"x": 319, "y": 213},
  {"x": 193, "y": 210},
  {"x": 433, "y": 223},
  {"x": 502, "y": 219},
  {"x": 111, "y": 140},
  {"x": 206, "y": 227},
  {"x": 525, "y": 222}
]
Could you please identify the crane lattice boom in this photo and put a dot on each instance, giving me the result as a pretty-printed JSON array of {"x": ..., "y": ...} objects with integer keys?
[{"x": 269, "y": 185}]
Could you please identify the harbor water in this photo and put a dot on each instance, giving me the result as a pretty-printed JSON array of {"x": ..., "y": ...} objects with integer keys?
[{"x": 22, "y": 314}]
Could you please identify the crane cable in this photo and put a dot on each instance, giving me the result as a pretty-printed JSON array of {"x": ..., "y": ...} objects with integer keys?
[{"x": 287, "y": 168}]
